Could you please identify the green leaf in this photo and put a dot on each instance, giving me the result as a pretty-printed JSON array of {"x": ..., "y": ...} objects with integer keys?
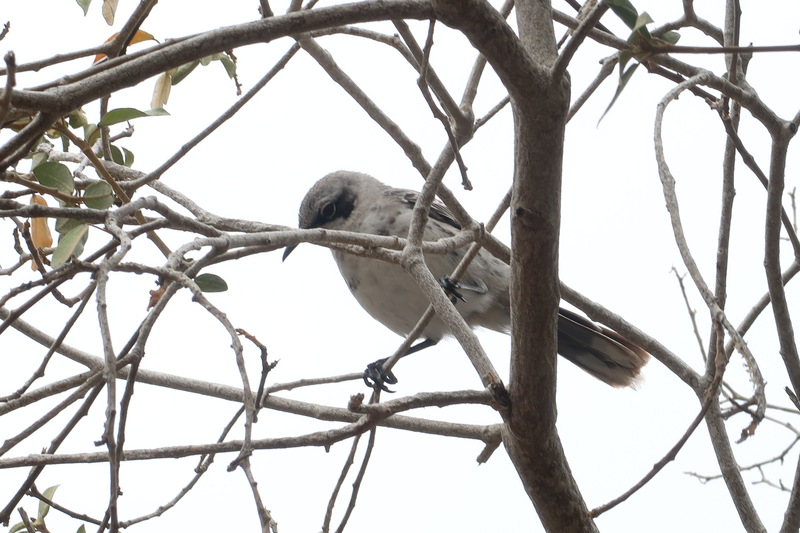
[
  {"x": 624, "y": 78},
  {"x": 70, "y": 244},
  {"x": 624, "y": 10},
  {"x": 65, "y": 225},
  {"x": 19, "y": 526},
  {"x": 91, "y": 133},
  {"x": 98, "y": 195},
  {"x": 641, "y": 21},
  {"x": 180, "y": 73},
  {"x": 81, "y": 529},
  {"x": 225, "y": 59},
  {"x": 624, "y": 57},
  {"x": 55, "y": 175},
  {"x": 669, "y": 37},
  {"x": 77, "y": 119},
  {"x": 128, "y": 157},
  {"x": 116, "y": 155},
  {"x": 44, "y": 508},
  {"x": 84, "y": 4},
  {"x": 211, "y": 283},
  {"x": 37, "y": 159},
  {"x": 230, "y": 66},
  {"x": 124, "y": 114}
]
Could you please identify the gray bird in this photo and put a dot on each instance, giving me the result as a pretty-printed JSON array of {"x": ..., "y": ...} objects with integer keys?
[{"x": 351, "y": 201}]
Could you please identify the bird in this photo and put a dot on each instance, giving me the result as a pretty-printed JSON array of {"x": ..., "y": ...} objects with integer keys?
[{"x": 353, "y": 201}]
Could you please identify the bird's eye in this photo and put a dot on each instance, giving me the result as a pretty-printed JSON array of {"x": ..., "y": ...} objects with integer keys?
[{"x": 328, "y": 211}]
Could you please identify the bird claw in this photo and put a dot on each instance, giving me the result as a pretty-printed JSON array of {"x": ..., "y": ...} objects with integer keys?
[
  {"x": 452, "y": 289},
  {"x": 376, "y": 377}
]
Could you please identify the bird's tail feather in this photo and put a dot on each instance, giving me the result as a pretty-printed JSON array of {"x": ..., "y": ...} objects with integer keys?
[{"x": 601, "y": 352}]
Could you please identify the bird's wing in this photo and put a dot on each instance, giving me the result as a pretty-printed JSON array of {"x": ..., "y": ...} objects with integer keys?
[{"x": 437, "y": 211}]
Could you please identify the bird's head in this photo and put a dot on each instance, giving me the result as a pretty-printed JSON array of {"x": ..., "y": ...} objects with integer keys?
[{"x": 331, "y": 201}]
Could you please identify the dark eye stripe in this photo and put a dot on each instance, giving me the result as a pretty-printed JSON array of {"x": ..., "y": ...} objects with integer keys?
[{"x": 341, "y": 208}]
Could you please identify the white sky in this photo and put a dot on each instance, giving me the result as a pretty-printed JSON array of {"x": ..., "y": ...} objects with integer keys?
[{"x": 617, "y": 248}]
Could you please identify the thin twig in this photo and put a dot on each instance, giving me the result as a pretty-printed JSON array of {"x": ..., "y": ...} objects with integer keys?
[
  {"x": 422, "y": 83},
  {"x": 230, "y": 112},
  {"x": 606, "y": 68},
  {"x": 264, "y": 516},
  {"x": 39, "y": 372},
  {"x": 5, "y": 513},
  {"x": 357, "y": 482},
  {"x": 588, "y": 23},
  {"x": 348, "y": 462},
  {"x": 709, "y": 397},
  {"x": 411, "y": 149},
  {"x": 121, "y": 194},
  {"x": 11, "y": 81},
  {"x": 692, "y": 313},
  {"x": 34, "y": 492},
  {"x": 202, "y": 467},
  {"x": 422, "y": 64}
]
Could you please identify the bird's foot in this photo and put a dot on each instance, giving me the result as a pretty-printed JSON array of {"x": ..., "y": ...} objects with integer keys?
[
  {"x": 454, "y": 288},
  {"x": 377, "y": 378}
]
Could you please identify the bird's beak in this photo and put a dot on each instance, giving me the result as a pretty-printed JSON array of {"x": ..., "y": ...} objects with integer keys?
[{"x": 287, "y": 251}]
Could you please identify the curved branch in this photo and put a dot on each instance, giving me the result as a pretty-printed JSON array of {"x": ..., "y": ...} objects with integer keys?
[
  {"x": 772, "y": 260},
  {"x": 55, "y": 101},
  {"x": 70, "y": 96}
]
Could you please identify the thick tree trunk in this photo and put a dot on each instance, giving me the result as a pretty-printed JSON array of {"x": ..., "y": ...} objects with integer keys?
[
  {"x": 531, "y": 437},
  {"x": 540, "y": 101}
]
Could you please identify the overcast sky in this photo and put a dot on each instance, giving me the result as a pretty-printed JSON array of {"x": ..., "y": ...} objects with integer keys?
[{"x": 617, "y": 248}]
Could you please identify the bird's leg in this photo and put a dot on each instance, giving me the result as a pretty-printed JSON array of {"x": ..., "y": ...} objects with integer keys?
[
  {"x": 376, "y": 376},
  {"x": 421, "y": 345}
]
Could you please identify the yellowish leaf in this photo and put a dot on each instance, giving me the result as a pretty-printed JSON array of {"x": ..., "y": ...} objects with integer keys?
[
  {"x": 141, "y": 36},
  {"x": 40, "y": 231},
  {"x": 161, "y": 91},
  {"x": 138, "y": 37}
]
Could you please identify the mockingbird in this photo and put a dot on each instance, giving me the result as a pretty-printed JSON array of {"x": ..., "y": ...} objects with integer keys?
[{"x": 351, "y": 201}]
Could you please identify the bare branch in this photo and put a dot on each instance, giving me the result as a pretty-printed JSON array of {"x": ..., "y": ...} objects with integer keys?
[
  {"x": 589, "y": 21},
  {"x": 359, "y": 478},
  {"x": 11, "y": 81},
  {"x": 197, "y": 139}
]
